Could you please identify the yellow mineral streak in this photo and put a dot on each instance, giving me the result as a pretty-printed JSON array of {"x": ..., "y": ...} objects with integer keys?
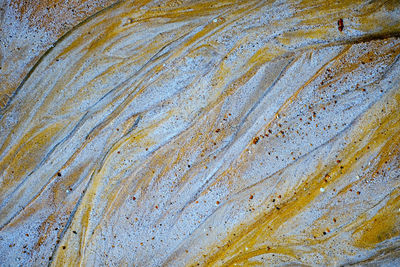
[{"x": 211, "y": 133}]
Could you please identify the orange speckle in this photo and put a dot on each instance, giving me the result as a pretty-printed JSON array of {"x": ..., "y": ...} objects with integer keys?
[
  {"x": 340, "y": 25},
  {"x": 256, "y": 139}
]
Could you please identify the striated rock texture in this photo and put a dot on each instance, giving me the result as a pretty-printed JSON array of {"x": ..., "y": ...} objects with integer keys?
[
  {"x": 29, "y": 28},
  {"x": 212, "y": 133}
]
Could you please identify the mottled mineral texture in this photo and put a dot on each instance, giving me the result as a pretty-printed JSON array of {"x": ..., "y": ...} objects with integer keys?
[{"x": 211, "y": 133}]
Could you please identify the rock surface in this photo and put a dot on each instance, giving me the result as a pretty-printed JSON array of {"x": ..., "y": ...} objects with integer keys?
[{"x": 208, "y": 133}]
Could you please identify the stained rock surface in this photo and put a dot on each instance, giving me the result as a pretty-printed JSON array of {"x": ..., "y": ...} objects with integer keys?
[{"x": 212, "y": 133}]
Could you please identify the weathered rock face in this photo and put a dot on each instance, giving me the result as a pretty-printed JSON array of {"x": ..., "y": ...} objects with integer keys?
[
  {"x": 29, "y": 28},
  {"x": 207, "y": 133}
]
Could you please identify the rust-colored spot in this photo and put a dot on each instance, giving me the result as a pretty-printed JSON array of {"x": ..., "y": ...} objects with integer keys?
[
  {"x": 256, "y": 139},
  {"x": 340, "y": 25}
]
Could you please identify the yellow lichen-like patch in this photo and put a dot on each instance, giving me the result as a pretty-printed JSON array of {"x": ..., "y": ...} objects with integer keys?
[{"x": 383, "y": 226}]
